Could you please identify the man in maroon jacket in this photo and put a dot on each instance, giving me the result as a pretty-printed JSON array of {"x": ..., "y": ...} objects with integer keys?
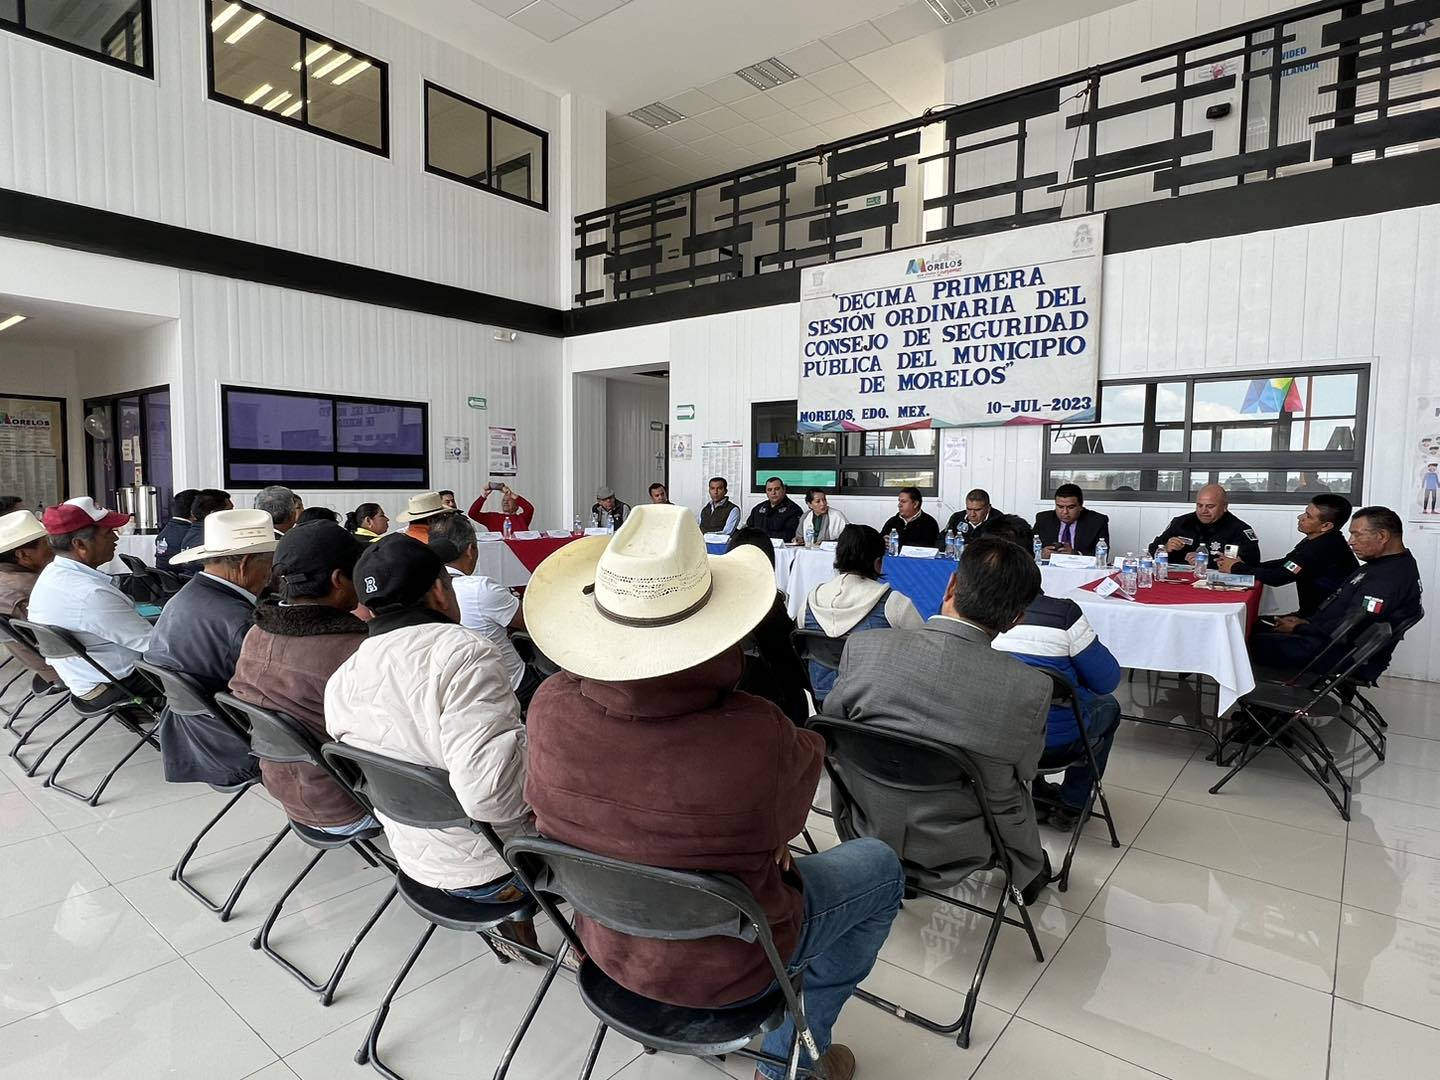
[{"x": 641, "y": 749}]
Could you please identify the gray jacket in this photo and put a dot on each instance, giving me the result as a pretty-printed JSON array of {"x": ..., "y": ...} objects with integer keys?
[{"x": 944, "y": 682}]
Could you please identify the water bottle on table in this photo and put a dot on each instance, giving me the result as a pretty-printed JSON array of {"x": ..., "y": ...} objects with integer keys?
[
  {"x": 1202, "y": 562},
  {"x": 892, "y": 542},
  {"x": 950, "y": 544},
  {"x": 812, "y": 537},
  {"x": 959, "y": 546},
  {"x": 576, "y": 529},
  {"x": 1038, "y": 549},
  {"x": 1129, "y": 576},
  {"x": 1147, "y": 571},
  {"x": 1162, "y": 565},
  {"x": 506, "y": 529},
  {"x": 1102, "y": 553}
]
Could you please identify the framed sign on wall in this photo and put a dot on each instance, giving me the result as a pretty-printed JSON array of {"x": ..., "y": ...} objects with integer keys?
[{"x": 33, "y": 458}]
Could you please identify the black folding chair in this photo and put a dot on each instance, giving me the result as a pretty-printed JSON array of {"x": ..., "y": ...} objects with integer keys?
[
  {"x": 16, "y": 638},
  {"x": 530, "y": 654},
  {"x": 818, "y": 647},
  {"x": 1281, "y": 713},
  {"x": 1066, "y": 696},
  {"x": 1363, "y": 706},
  {"x": 158, "y": 585},
  {"x": 55, "y": 643},
  {"x": 668, "y": 905},
  {"x": 922, "y": 766},
  {"x": 285, "y": 740},
  {"x": 421, "y": 796},
  {"x": 187, "y": 698}
]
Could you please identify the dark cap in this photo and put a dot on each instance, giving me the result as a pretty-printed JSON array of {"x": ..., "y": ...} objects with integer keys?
[
  {"x": 395, "y": 572},
  {"x": 308, "y": 554}
]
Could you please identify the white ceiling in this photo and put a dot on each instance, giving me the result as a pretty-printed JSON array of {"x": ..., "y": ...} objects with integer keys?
[
  {"x": 51, "y": 323},
  {"x": 863, "y": 64}
]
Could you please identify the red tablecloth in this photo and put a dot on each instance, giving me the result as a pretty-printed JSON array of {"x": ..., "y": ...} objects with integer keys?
[
  {"x": 1183, "y": 592},
  {"x": 532, "y": 553}
]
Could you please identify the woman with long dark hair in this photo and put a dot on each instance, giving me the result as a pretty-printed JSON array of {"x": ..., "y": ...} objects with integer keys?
[{"x": 367, "y": 521}]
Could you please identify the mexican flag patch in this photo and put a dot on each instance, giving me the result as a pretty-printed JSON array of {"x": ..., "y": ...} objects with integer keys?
[
  {"x": 1374, "y": 605},
  {"x": 1292, "y": 566}
]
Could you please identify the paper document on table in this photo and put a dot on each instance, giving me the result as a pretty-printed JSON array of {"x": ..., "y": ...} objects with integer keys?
[
  {"x": 597, "y": 532},
  {"x": 1110, "y": 587},
  {"x": 1078, "y": 562},
  {"x": 559, "y": 534},
  {"x": 917, "y": 553},
  {"x": 485, "y": 534},
  {"x": 526, "y": 534}
]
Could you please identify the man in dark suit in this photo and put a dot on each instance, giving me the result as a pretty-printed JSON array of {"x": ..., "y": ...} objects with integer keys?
[
  {"x": 778, "y": 516},
  {"x": 970, "y": 524},
  {"x": 945, "y": 682},
  {"x": 1070, "y": 529}
]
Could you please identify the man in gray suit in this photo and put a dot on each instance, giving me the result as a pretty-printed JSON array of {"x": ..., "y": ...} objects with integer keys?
[{"x": 944, "y": 682}]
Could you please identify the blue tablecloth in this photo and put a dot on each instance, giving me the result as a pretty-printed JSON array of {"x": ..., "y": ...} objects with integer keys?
[
  {"x": 922, "y": 580},
  {"x": 715, "y": 549}
]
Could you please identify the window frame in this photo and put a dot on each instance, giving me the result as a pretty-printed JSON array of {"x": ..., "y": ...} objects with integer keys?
[
  {"x": 300, "y": 120},
  {"x": 1188, "y": 461},
  {"x": 146, "y": 70},
  {"x": 336, "y": 458},
  {"x": 490, "y": 115},
  {"x": 840, "y": 462}
]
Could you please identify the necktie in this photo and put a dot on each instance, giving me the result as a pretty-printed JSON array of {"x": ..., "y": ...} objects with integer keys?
[{"x": 1067, "y": 534}]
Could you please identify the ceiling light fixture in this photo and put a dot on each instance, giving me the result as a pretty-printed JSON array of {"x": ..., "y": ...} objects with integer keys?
[
  {"x": 245, "y": 28},
  {"x": 332, "y": 64},
  {"x": 767, "y": 74},
  {"x": 291, "y": 110},
  {"x": 278, "y": 99},
  {"x": 949, "y": 11},
  {"x": 224, "y": 17},
  {"x": 315, "y": 54},
  {"x": 258, "y": 93},
  {"x": 656, "y": 115},
  {"x": 350, "y": 73},
  {"x": 11, "y": 321}
]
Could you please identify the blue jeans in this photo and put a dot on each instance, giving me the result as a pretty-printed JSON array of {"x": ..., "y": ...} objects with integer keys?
[
  {"x": 493, "y": 891},
  {"x": 365, "y": 823},
  {"x": 852, "y": 893},
  {"x": 1102, "y": 717}
]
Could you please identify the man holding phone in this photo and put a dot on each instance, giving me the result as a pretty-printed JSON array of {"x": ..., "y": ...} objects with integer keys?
[
  {"x": 1211, "y": 526},
  {"x": 512, "y": 506}
]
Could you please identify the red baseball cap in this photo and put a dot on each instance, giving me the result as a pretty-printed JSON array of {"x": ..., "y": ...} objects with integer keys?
[{"x": 80, "y": 514}]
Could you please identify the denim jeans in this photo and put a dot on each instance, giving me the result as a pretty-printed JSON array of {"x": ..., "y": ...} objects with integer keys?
[
  {"x": 852, "y": 893},
  {"x": 365, "y": 823},
  {"x": 1102, "y": 717},
  {"x": 493, "y": 891}
]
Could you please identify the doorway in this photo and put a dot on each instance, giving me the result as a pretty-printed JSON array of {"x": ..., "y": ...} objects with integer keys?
[{"x": 129, "y": 443}]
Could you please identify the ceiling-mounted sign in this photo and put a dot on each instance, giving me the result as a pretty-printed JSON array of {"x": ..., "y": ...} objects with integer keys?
[
  {"x": 998, "y": 329},
  {"x": 477, "y": 402},
  {"x": 684, "y": 412}
]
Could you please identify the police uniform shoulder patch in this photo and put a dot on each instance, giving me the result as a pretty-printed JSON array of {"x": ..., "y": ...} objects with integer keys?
[
  {"x": 1293, "y": 567},
  {"x": 1374, "y": 605},
  {"x": 1249, "y": 534}
]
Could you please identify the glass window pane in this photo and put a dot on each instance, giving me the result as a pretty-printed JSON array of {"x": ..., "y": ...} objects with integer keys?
[
  {"x": 272, "y": 474},
  {"x": 1122, "y": 403},
  {"x": 278, "y": 422},
  {"x": 457, "y": 137},
  {"x": 899, "y": 442},
  {"x": 868, "y": 478},
  {"x": 379, "y": 429},
  {"x": 797, "y": 479},
  {"x": 344, "y": 93},
  {"x": 1323, "y": 435},
  {"x": 518, "y": 165},
  {"x": 1118, "y": 480},
  {"x": 9, "y": 10},
  {"x": 112, "y": 28},
  {"x": 1170, "y": 402},
  {"x": 1172, "y": 440},
  {"x": 349, "y": 473},
  {"x": 1330, "y": 395},
  {"x": 1097, "y": 439},
  {"x": 257, "y": 61},
  {"x": 775, "y": 435}
]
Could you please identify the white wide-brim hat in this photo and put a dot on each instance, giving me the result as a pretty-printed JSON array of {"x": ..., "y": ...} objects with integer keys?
[
  {"x": 646, "y": 602},
  {"x": 232, "y": 532},
  {"x": 422, "y": 506},
  {"x": 18, "y": 529}
]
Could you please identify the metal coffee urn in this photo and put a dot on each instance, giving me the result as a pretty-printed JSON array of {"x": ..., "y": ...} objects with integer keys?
[{"x": 142, "y": 502}]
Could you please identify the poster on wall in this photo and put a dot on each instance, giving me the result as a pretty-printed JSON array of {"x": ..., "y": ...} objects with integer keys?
[
  {"x": 457, "y": 449},
  {"x": 681, "y": 447},
  {"x": 999, "y": 329},
  {"x": 503, "y": 452},
  {"x": 32, "y": 450},
  {"x": 1422, "y": 501},
  {"x": 725, "y": 457}
]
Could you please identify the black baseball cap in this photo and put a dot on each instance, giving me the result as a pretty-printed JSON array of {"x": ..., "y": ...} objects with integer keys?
[
  {"x": 308, "y": 554},
  {"x": 396, "y": 572}
]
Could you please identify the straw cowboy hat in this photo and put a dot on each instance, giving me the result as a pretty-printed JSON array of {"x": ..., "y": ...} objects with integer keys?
[
  {"x": 232, "y": 532},
  {"x": 18, "y": 529},
  {"x": 422, "y": 506},
  {"x": 647, "y": 601}
]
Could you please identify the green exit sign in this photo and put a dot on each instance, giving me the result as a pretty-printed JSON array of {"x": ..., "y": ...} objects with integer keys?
[
  {"x": 477, "y": 403},
  {"x": 874, "y": 200}
]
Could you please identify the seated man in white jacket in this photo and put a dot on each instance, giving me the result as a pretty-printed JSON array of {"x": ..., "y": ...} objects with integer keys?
[
  {"x": 820, "y": 517},
  {"x": 424, "y": 689}
]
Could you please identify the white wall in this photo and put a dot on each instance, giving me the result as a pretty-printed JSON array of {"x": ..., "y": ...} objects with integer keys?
[
  {"x": 81, "y": 131},
  {"x": 630, "y": 444},
  {"x": 1343, "y": 290}
]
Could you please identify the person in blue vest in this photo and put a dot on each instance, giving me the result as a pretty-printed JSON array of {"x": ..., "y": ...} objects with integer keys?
[{"x": 171, "y": 538}]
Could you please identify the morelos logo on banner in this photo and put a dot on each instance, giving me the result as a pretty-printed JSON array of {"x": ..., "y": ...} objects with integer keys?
[{"x": 999, "y": 329}]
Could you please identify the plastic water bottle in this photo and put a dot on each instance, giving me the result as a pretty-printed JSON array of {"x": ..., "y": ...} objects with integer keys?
[
  {"x": 1038, "y": 549},
  {"x": 1147, "y": 572},
  {"x": 812, "y": 536},
  {"x": 610, "y": 524},
  {"x": 1202, "y": 561},
  {"x": 950, "y": 544},
  {"x": 892, "y": 543},
  {"x": 576, "y": 529},
  {"x": 595, "y": 520},
  {"x": 1102, "y": 553},
  {"x": 1162, "y": 565},
  {"x": 959, "y": 547},
  {"x": 1129, "y": 576},
  {"x": 506, "y": 529}
]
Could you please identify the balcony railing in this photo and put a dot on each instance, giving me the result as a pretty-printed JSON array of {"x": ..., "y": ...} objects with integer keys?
[{"x": 1328, "y": 84}]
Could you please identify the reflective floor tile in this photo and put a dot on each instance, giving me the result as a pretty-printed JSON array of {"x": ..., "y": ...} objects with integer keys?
[
  {"x": 1398, "y": 883},
  {"x": 1390, "y": 965},
  {"x": 1405, "y": 783},
  {"x": 1177, "y": 1012},
  {"x": 1148, "y": 765},
  {"x": 1400, "y": 825},
  {"x": 1271, "y": 789},
  {"x": 140, "y": 785},
  {"x": 164, "y": 1024},
  {"x": 276, "y": 1070},
  {"x": 1362, "y": 1039},
  {"x": 1283, "y": 855},
  {"x": 1281, "y": 932},
  {"x": 1026, "y": 1050},
  {"x": 55, "y": 953},
  {"x": 21, "y": 820},
  {"x": 43, "y": 871},
  {"x": 1416, "y": 753},
  {"x": 1094, "y": 861},
  {"x": 670, "y": 1067},
  {"x": 1131, "y": 809}
]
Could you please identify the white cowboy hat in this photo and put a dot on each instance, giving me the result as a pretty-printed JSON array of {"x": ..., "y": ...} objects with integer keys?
[
  {"x": 18, "y": 529},
  {"x": 647, "y": 601},
  {"x": 232, "y": 532},
  {"x": 423, "y": 506}
]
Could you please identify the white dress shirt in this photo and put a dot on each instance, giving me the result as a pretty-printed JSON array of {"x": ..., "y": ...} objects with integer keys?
[
  {"x": 74, "y": 597},
  {"x": 489, "y": 607},
  {"x": 732, "y": 522}
]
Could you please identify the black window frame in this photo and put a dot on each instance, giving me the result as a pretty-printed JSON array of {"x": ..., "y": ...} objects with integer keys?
[
  {"x": 146, "y": 70},
  {"x": 840, "y": 462},
  {"x": 490, "y": 117},
  {"x": 336, "y": 458},
  {"x": 1213, "y": 462},
  {"x": 299, "y": 121}
]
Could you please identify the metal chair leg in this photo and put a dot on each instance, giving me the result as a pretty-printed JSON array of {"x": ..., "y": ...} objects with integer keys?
[
  {"x": 504, "y": 1067},
  {"x": 333, "y": 983},
  {"x": 24, "y": 736},
  {"x": 94, "y": 797},
  {"x": 228, "y": 905},
  {"x": 14, "y": 714},
  {"x": 370, "y": 1050},
  {"x": 35, "y": 765},
  {"x": 594, "y": 1052}
]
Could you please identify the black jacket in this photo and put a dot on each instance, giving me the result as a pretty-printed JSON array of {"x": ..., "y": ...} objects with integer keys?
[
  {"x": 1224, "y": 530},
  {"x": 1090, "y": 528},
  {"x": 171, "y": 541},
  {"x": 773, "y": 669},
  {"x": 921, "y": 532},
  {"x": 617, "y": 516},
  {"x": 199, "y": 634},
  {"x": 1318, "y": 566},
  {"x": 964, "y": 529},
  {"x": 780, "y": 522},
  {"x": 1388, "y": 588}
]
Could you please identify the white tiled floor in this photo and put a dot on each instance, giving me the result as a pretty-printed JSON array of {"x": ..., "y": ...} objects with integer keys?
[{"x": 1250, "y": 934}]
